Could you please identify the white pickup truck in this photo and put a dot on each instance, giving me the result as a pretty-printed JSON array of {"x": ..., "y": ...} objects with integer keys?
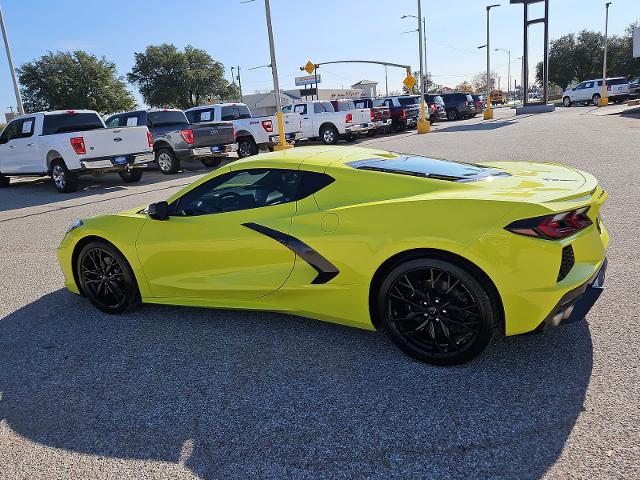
[
  {"x": 66, "y": 143},
  {"x": 321, "y": 120},
  {"x": 252, "y": 133}
]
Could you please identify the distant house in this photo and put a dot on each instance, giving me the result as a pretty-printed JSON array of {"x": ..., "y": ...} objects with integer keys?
[
  {"x": 368, "y": 87},
  {"x": 262, "y": 104}
]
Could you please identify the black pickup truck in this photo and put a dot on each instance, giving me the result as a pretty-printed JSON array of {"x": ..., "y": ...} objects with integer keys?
[
  {"x": 175, "y": 139},
  {"x": 404, "y": 111}
]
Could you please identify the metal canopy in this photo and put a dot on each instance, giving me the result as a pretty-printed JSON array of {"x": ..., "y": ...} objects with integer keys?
[{"x": 545, "y": 61}]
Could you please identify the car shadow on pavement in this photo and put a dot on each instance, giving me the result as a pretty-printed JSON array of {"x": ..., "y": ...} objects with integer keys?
[
  {"x": 30, "y": 192},
  {"x": 481, "y": 126},
  {"x": 260, "y": 395}
]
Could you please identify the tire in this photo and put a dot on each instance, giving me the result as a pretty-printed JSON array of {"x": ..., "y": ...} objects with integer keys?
[
  {"x": 566, "y": 101},
  {"x": 329, "y": 135},
  {"x": 435, "y": 311},
  {"x": 595, "y": 99},
  {"x": 452, "y": 114},
  {"x": 4, "y": 181},
  {"x": 167, "y": 161},
  {"x": 400, "y": 127},
  {"x": 246, "y": 147},
  {"x": 211, "y": 162},
  {"x": 64, "y": 180},
  {"x": 106, "y": 279},
  {"x": 131, "y": 176}
]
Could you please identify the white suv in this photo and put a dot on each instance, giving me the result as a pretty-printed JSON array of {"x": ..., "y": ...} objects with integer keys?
[{"x": 589, "y": 91}]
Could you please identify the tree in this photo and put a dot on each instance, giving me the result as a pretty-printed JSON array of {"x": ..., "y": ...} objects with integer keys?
[
  {"x": 78, "y": 80},
  {"x": 415, "y": 90},
  {"x": 479, "y": 81},
  {"x": 166, "y": 76},
  {"x": 465, "y": 87}
]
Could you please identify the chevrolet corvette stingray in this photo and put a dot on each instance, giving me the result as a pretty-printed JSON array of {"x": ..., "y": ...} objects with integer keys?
[{"x": 442, "y": 256}]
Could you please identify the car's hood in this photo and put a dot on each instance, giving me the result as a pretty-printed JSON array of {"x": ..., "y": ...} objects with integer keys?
[{"x": 538, "y": 182}]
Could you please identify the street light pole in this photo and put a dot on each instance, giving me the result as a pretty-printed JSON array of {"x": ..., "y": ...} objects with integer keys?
[
  {"x": 282, "y": 145},
  {"x": 240, "y": 85},
  {"x": 521, "y": 77},
  {"x": 16, "y": 87},
  {"x": 423, "y": 123},
  {"x": 488, "y": 113},
  {"x": 509, "y": 69},
  {"x": 604, "y": 101},
  {"x": 424, "y": 36}
]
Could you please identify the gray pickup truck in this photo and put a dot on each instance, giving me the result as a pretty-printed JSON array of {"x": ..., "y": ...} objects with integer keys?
[{"x": 175, "y": 139}]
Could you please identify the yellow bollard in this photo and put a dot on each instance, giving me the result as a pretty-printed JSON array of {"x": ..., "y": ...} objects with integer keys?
[
  {"x": 423, "y": 124},
  {"x": 488, "y": 112},
  {"x": 282, "y": 145}
]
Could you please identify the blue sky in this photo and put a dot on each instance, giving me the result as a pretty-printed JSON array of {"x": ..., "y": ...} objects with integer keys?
[{"x": 235, "y": 34}]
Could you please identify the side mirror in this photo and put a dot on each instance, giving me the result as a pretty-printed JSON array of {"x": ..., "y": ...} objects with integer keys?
[{"x": 159, "y": 211}]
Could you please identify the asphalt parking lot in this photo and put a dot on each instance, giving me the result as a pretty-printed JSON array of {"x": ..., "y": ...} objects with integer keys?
[{"x": 168, "y": 392}]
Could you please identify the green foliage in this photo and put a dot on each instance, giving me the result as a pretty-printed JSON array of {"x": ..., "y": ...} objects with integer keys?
[
  {"x": 167, "y": 77},
  {"x": 78, "y": 80},
  {"x": 579, "y": 57}
]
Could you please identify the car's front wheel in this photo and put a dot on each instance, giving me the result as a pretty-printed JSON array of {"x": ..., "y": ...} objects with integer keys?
[
  {"x": 595, "y": 99},
  {"x": 435, "y": 311},
  {"x": 566, "y": 101},
  {"x": 106, "y": 279}
]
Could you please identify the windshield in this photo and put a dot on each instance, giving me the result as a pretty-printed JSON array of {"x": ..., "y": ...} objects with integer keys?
[
  {"x": 166, "y": 118},
  {"x": 428, "y": 168},
  {"x": 71, "y": 122}
]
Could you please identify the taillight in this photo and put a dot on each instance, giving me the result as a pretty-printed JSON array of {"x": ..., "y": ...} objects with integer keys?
[
  {"x": 233, "y": 133},
  {"x": 348, "y": 118},
  {"x": 150, "y": 139},
  {"x": 609, "y": 88},
  {"x": 552, "y": 227},
  {"x": 373, "y": 115},
  {"x": 78, "y": 145},
  {"x": 187, "y": 136},
  {"x": 267, "y": 125},
  {"x": 403, "y": 114}
]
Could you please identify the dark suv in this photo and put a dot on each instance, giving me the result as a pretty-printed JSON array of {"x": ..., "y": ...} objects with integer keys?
[{"x": 459, "y": 105}]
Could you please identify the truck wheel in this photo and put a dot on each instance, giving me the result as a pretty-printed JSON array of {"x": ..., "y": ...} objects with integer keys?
[
  {"x": 4, "y": 181},
  {"x": 64, "y": 180},
  {"x": 131, "y": 176},
  {"x": 167, "y": 161},
  {"x": 452, "y": 114},
  {"x": 566, "y": 101},
  {"x": 211, "y": 162},
  {"x": 329, "y": 135},
  {"x": 595, "y": 99},
  {"x": 246, "y": 147}
]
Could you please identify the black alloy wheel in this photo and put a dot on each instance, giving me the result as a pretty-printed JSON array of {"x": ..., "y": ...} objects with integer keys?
[
  {"x": 452, "y": 114},
  {"x": 131, "y": 175},
  {"x": 246, "y": 147},
  {"x": 436, "y": 311},
  {"x": 106, "y": 278}
]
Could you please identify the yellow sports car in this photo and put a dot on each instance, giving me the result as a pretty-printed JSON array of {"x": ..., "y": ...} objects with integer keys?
[{"x": 442, "y": 256}]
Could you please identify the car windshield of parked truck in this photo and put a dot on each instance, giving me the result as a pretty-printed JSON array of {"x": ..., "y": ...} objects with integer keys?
[
  {"x": 71, "y": 122},
  {"x": 406, "y": 101},
  {"x": 166, "y": 118},
  {"x": 234, "y": 112},
  {"x": 346, "y": 106},
  {"x": 429, "y": 168}
]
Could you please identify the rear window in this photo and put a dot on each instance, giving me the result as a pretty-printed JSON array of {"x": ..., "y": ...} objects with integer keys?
[
  {"x": 166, "y": 118},
  {"x": 70, "y": 122},
  {"x": 345, "y": 106},
  {"x": 235, "y": 112},
  {"x": 405, "y": 101},
  {"x": 617, "y": 81},
  {"x": 198, "y": 116},
  {"x": 435, "y": 99},
  {"x": 362, "y": 103},
  {"x": 428, "y": 168}
]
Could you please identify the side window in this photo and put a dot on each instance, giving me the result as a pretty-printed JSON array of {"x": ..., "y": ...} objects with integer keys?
[
  {"x": 11, "y": 131},
  {"x": 317, "y": 108},
  {"x": 241, "y": 190},
  {"x": 388, "y": 103},
  {"x": 312, "y": 182},
  {"x": 301, "y": 108},
  {"x": 113, "y": 122},
  {"x": 286, "y": 109},
  {"x": 26, "y": 129},
  {"x": 588, "y": 85},
  {"x": 129, "y": 121}
]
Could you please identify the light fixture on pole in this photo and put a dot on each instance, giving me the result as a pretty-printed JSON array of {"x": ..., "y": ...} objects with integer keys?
[
  {"x": 604, "y": 101},
  {"x": 509, "y": 69},
  {"x": 282, "y": 144},
  {"x": 521, "y": 77},
  {"x": 424, "y": 37},
  {"x": 16, "y": 87},
  {"x": 488, "y": 113}
]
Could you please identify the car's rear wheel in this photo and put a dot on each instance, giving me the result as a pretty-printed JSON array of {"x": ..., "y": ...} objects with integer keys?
[
  {"x": 566, "y": 101},
  {"x": 167, "y": 161},
  {"x": 246, "y": 147},
  {"x": 329, "y": 135},
  {"x": 435, "y": 311},
  {"x": 131, "y": 175},
  {"x": 595, "y": 99},
  {"x": 106, "y": 278},
  {"x": 452, "y": 114},
  {"x": 64, "y": 180}
]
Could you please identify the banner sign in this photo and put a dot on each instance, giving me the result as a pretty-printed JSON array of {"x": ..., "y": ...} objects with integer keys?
[{"x": 307, "y": 80}]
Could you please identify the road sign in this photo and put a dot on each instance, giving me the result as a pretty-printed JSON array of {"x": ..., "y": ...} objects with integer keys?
[
  {"x": 308, "y": 92},
  {"x": 307, "y": 80},
  {"x": 310, "y": 67},
  {"x": 409, "y": 82}
]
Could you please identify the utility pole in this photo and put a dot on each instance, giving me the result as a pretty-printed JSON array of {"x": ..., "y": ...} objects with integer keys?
[
  {"x": 488, "y": 113},
  {"x": 282, "y": 145},
  {"x": 509, "y": 70},
  {"x": 16, "y": 87},
  {"x": 603, "y": 101},
  {"x": 240, "y": 85},
  {"x": 423, "y": 123},
  {"x": 386, "y": 82}
]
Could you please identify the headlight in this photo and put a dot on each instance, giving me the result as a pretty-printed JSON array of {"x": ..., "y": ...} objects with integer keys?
[{"x": 74, "y": 225}]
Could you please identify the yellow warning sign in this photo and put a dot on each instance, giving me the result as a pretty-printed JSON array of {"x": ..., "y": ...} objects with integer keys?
[
  {"x": 409, "y": 82},
  {"x": 310, "y": 67}
]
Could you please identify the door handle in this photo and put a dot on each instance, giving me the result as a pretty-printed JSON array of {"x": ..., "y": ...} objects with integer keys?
[
  {"x": 12, "y": 146},
  {"x": 29, "y": 144}
]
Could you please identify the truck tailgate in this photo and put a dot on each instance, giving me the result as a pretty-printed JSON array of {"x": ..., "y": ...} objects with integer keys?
[
  {"x": 213, "y": 133},
  {"x": 111, "y": 142},
  {"x": 361, "y": 115}
]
